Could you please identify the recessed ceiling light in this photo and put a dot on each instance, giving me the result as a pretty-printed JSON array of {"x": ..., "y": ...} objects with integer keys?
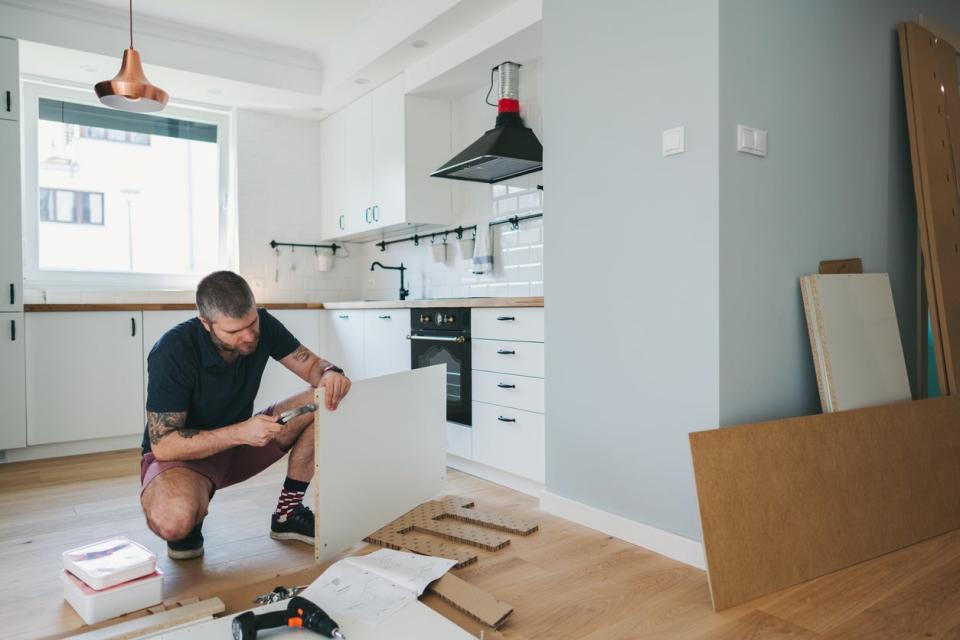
[
  {"x": 419, "y": 44},
  {"x": 362, "y": 81},
  {"x": 88, "y": 68},
  {"x": 215, "y": 92}
]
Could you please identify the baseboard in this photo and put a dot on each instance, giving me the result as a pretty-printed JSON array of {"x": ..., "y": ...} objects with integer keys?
[
  {"x": 665, "y": 543},
  {"x": 509, "y": 480},
  {"x": 80, "y": 447}
]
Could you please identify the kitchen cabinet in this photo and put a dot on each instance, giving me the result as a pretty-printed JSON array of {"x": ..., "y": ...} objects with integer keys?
[
  {"x": 84, "y": 375},
  {"x": 345, "y": 341},
  {"x": 278, "y": 382},
  {"x": 509, "y": 439},
  {"x": 385, "y": 345},
  {"x": 9, "y": 80},
  {"x": 376, "y": 157},
  {"x": 11, "y": 264},
  {"x": 13, "y": 395}
]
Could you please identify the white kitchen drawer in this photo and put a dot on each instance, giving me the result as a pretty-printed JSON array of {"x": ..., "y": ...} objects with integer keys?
[
  {"x": 506, "y": 390},
  {"x": 459, "y": 440},
  {"x": 521, "y": 358},
  {"x": 509, "y": 439},
  {"x": 507, "y": 324}
]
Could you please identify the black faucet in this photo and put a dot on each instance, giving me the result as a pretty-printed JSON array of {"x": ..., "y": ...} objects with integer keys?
[{"x": 403, "y": 291}]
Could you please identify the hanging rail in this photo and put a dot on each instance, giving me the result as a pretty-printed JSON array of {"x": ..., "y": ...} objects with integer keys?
[
  {"x": 333, "y": 247},
  {"x": 514, "y": 223}
]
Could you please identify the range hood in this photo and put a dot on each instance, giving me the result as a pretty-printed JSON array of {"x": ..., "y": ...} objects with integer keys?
[{"x": 508, "y": 150}]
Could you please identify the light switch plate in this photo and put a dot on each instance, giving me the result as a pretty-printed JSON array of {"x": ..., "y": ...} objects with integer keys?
[
  {"x": 673, "y": 141},
  {"x": 751, "y": 140}
]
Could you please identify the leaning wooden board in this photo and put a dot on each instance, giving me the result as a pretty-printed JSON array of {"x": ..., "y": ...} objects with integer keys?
[
  {"x": 786, "y": 501},
  {"x": 933, "y": 112}
]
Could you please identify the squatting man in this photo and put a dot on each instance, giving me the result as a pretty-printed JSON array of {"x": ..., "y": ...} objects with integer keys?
[{"x": 201, "y": 433}]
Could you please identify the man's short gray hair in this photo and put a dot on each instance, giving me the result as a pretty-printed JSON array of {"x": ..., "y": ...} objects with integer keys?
[{"x": 224, "y": 293}]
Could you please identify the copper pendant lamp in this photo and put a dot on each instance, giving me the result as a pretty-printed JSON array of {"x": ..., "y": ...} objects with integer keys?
[{"x": 130, "y": 90}]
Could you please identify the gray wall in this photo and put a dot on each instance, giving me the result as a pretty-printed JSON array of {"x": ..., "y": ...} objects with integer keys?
[
  {"x": 631, "y": 304},
  {"x": 823, "y": 76}
]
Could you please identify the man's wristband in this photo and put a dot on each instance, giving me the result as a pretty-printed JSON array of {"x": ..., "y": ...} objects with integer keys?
[{"x": 331, "y": 367}]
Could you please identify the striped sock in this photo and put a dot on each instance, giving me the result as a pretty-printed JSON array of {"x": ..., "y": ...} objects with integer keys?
[{"x": 290, "y": 497}]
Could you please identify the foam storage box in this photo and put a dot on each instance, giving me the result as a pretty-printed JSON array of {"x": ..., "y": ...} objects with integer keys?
[
  {"x": 97, "y": 605},
  {"x": 109, "y": 562}
]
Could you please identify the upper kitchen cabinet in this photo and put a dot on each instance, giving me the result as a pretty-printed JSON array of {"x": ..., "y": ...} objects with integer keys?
[
  {"x": 376, "y": 157},
  {"x": 11, "y": 267},
  {"x": 9, "y": 80}
]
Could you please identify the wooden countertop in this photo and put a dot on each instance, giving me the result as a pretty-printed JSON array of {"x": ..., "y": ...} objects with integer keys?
[{"x": 533, "y": 301}]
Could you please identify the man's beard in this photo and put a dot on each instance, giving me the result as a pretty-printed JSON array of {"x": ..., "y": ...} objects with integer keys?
[{"x": 244, "y": 351}]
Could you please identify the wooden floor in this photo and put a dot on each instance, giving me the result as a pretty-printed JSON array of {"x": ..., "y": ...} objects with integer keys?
[{"x": 565, "y": 581}]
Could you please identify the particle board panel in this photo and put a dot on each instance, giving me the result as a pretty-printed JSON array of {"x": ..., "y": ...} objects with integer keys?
[
  {"x": 843, "y": 265},
  {"x": 930, "y": 84},
  {"x": 786, "y": 501},
  {"x": 380, "y": 454}
]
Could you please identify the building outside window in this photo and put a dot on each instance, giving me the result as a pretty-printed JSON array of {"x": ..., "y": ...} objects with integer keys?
[{"x": 78, "y": 207}]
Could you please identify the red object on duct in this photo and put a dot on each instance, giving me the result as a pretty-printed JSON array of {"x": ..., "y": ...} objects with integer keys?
[{"x": 508, "y": 105}]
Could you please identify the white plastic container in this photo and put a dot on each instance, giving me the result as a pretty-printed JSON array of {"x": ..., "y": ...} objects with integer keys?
[
  {"x": 109, "y": 562},
  {"x": 95, "y": 606}
]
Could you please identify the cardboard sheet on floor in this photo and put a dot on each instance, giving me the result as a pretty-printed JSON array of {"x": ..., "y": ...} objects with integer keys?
[
  {"x": 855, "y": 340},
  {"x": 380, "y": 454},
  {"x": 786, "y": 501}
]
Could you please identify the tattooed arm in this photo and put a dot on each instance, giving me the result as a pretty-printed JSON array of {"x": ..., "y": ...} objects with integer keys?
[
  {"x": 170, "y": 440},
  {"x": 310, "y": 368}
]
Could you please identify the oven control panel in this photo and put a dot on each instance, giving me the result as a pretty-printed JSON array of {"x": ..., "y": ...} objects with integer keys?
[{"x": 441, "y": 320}]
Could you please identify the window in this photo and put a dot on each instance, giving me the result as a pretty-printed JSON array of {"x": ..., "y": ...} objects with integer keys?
[
  {"x": 123, "y": 199},
  {"x": 79, "y": 207}
]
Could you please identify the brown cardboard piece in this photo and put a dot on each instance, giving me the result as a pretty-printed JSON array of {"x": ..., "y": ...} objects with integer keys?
[
  {"x": 844, "y": 265},
  {"x": 785, "y": 501}
]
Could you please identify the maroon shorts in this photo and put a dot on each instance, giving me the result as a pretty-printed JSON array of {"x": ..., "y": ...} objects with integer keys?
[{"x": 222, "y": 469}]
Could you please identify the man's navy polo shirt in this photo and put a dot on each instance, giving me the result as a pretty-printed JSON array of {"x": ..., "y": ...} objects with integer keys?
[{"x": 187, "y": 373}]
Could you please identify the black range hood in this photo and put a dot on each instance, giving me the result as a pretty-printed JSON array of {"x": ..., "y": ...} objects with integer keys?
[{"x": 508, "y": 150}]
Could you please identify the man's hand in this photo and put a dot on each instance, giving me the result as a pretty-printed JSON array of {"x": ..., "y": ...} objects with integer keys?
[
  {"x": 258, "y": 431},
  {"x": 335, "y": 387}
]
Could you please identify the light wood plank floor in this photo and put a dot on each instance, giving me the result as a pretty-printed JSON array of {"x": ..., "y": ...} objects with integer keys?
[{"x": 565, "y": 581}]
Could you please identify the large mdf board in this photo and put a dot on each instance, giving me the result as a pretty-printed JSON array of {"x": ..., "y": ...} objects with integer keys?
[
  {"x": 930, "y": 70},
  {"x": 786, "y": 501},
  {"x": 855, "y": 340},
  {"x": 379, "y": 455}
]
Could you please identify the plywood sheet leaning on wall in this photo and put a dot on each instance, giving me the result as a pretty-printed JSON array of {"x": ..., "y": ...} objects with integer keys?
[
  {"x": 380, "y": 454},
  {"x": 786, "y": 501},
  {"x": 855, "y": 340},
  {"x": 930, "y": 81}
]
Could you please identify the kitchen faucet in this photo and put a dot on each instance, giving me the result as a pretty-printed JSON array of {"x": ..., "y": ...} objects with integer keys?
[{"x": 403, "y": 291}]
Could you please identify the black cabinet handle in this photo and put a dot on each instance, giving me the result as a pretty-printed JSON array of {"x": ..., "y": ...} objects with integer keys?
[
  {"x": 502, "y": 419},
  {"x": 8, "y": 102},
  {"x": 344, "y": 317},
  {"x": 504, "y": 385},
  {"x": 11, "y": 293},
  {"x": 13, "y": 329},
  {"x": 507, "y": 319},
  {"x": 506, "y": 352},
  {"x": 340, "y": 222},
  {"x": 133, "y": 327},
  {"x": 384, "y": 317}
]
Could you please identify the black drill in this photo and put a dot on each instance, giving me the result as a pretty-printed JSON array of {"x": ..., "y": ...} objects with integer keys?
[{"x": 300, "y": 612}]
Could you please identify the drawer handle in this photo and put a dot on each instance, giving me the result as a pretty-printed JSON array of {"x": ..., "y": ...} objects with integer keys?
[
  {"x": 11, "y": 293},
  {"x": 13, "y": 329},
  {"x": 502, "y": 419},
  {"x": 504, "y": 385},
  {"x": 506, "y": 352},
  {"x": 384, "y": 317},
  {"x": 507, "y": 319},
  {"x": 8, "y": 102},
  {"x": 344, "y": 317}
]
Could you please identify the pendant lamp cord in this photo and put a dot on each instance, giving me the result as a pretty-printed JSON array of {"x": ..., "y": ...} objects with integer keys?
[{"x": 131, "y": 24}]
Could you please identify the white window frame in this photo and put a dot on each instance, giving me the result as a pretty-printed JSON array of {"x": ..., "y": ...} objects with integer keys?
[{"x": 36, "y": 278}]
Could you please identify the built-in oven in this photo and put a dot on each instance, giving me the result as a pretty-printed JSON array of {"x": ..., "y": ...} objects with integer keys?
[{"x": 442, "y": 336}]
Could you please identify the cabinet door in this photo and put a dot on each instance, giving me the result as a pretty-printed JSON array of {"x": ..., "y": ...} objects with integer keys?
[
  {"x": 84, "y": 375},
  {"x": 356, "y": 165},
  {"x": 13, "y": 427},
  {"x": 345, "y": 341},
  {"x": 155, "y": 324},
  {"x": 509, "y": 439},
  {"x": 333, "y": 188},
  {"x": 278, "y": 382},
  {"x": 11, "y": 267},
  {"x": 9, "y": 81},
  {"x": 387, "y": 130},
  {"x": 385, "y": 345}
]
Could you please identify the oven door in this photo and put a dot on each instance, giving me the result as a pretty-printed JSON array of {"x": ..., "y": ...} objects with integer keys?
[{"x": 428, "y": 349}]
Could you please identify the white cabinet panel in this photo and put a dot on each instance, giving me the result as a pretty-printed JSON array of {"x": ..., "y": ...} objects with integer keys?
[
  {"x": 9, "y": 81},
  {"x": 84, "y": 375},
  {"x": 387, "y": 126},
  {"x": 520, "y": 392},
  {"x": 507, "y": 324},
  {"x": 11, "y": 266},
  {"x": 357, "y": 164},
  {"x": 155, "y": 324},
  {"x": 509, "y": 439},
  {"x": 520, "y": 358},
  {"x": 13, "y": 398},
  {"x": 459, "y": 438},
  {"x": 385, "y": 345},
  {"x": 278, "y": 382},
  {"x": 333, "y": 205},
  {"x": 345, "y": 341}
]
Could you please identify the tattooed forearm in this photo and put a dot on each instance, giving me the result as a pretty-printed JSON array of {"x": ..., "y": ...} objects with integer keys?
[
  {"x": 187, "y": 433},
  {"x": 302, "y": 354},
  {"x": 161, "y": 424}
]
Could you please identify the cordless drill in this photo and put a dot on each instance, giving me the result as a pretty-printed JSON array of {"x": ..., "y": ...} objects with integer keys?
[{"x": 300, "y": 612}]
